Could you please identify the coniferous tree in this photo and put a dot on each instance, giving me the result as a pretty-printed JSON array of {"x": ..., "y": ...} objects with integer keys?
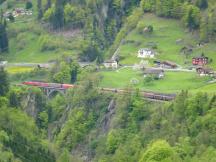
[
  {"x": 192, "y": 17},
  {"x": 58, "y": 17},
  {"x": 40, "y": 10},
  {"x": 202, "y": 4},
  {"x": 48, "y": 5},
  {"x": 4, "y": 83},
  {"x": 3, "y": 38}
]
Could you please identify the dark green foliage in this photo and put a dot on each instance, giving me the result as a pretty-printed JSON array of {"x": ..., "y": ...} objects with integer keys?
[
  {"x": 202, "y": 4},
  {"x": 74, "y": 71},
  {"x": 15, "y": 97},
  {"x": 4, "y": 83},
  {"x": 29, "y": 5},
  {"x": 89, "y": 53},
  {"x": 48, "y": 5},
  {"x": 3, "y": 39},
  {"x": 11, "y": 18},
  {"x": 58, "y": 16},
  {"x": 166, "y": 132},
  {"x": 65, "y": 71},
  {"x": 23, "y": 140},
  {"x": 192, "y": 17},
  {"x": 40, "y": 10},
  {"x": 86, "y": 104},
  {"x": 1, "y": 1}
]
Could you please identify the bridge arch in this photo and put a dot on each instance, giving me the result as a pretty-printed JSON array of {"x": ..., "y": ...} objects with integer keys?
[{"x": 51, "y": 91}]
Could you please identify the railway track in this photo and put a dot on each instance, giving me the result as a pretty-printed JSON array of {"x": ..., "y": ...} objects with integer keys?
[{"x": 145, "y": 94}]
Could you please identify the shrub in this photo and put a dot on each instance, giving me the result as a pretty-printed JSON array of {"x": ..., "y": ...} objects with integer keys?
[
  {"x": 29, "y": 5},
  {"x": 149, "y": 80},
  {"x": 140, "y": 27}
]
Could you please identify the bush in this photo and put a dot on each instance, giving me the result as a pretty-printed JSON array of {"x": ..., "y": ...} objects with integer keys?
[
  {"x": 11, "y": 18},
  {"x": 149, "y": 80},
  {"x": 140, "y": 27},
  {"x": 143, "y": 28},
  {"x": 29, "y": 5}
]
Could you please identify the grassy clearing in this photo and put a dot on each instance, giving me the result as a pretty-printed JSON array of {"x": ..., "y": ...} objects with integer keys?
[
  {"x": 15, "y": 70},
  {"x": 29, "y": 42},
  {"x": 173, "y": 81},
  {"x": 166, "y": 32}
]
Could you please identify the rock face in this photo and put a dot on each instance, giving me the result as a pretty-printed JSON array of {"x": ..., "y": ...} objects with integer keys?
[
  {"x": 33, "y": 103},
  {"x": 29, "y": 105},
  {"x": 107, "y": 118}
]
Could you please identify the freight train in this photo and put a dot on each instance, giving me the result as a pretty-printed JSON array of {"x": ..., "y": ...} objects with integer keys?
[{"x": 145, "y": 94}]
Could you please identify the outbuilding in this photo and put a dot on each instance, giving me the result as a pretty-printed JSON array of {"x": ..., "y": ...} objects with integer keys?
[
  {"x": 168, "y": 65},
  {"x": 156, "y": 73},
  {"x": 203, "y": 71},
  {"x": 111, "y": 64}
]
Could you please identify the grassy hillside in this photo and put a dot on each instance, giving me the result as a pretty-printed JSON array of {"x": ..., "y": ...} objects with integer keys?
[
  {"x": 172, "y": 82},
  {"x": 166, "y": 33},
  {"x": 31, "y": 41}
]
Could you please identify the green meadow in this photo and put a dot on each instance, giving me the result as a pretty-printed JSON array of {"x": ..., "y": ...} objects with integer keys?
[{"x": 172, "y": 82}]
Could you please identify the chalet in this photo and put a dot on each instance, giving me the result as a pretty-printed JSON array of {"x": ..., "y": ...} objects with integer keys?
[
  {"x": 111, "y": 64},
  {"x": 203, "y": 71},
  {"x": 168, "y": 65},
  {"x": 156, "y": 73},
  {"x": 201, "y": 61},
  {"x": 146, "y": 53}
]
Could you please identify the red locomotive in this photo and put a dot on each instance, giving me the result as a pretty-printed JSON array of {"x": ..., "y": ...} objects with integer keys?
[{"x": 52, "y": 85}]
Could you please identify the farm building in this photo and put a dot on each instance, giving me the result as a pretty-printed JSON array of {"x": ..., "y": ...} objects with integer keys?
[
  {"x": 17, "y": 12},
  {"x": 156, "y": 73},
  {"x": 146, "y": 53},
  {"x": 168, "y": 64},
  {"x": 203, "y": 71},
  {"x": 200, "y": 60},
  {"x": 165, "y": 64},
  {"x": 111, "y": 64}
]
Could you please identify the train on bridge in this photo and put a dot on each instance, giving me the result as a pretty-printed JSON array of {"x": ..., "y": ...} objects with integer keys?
[
  {"x": 145, "y": 94},
  {"x": 51, "y": 85}
]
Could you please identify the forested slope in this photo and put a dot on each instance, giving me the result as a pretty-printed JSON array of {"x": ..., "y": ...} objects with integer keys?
[{"x": 85, "y": 124}]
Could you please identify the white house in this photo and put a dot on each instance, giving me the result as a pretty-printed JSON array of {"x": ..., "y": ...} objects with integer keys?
[
  {"x": 3, "y": 63},
  {"x": 111, "y": 64},
  {"x": 146, "y": 53}
]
